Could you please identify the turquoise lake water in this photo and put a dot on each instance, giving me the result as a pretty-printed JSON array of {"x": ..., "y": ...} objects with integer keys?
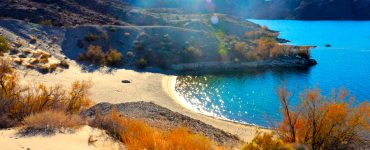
[{"x": 251, "y": 97}]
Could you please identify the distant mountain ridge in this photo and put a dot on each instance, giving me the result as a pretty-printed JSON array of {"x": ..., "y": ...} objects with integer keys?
[{"x": 272, "y": 9}]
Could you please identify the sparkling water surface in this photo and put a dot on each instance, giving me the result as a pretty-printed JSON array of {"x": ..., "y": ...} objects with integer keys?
[{"x": 251, "y": 97}]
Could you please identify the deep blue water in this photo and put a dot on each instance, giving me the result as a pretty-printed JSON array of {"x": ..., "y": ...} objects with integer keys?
[{"x": 251, "y": 97}]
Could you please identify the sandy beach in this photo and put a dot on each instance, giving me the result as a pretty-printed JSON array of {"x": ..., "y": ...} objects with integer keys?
[
  {"x": 144, "y": 86},
  {"x": 71, "y": 141}
]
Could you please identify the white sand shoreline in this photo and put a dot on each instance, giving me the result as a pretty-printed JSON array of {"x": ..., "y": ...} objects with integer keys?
[{"x": 169, "y": 83}]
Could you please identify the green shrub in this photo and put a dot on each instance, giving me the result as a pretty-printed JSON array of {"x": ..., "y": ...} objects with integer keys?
[{"x": 4, "y": 45}]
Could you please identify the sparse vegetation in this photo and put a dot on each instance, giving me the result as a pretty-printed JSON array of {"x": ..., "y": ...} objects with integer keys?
[
  {"x": 258, "y": 34},
  {"x": 142, "y": 63},
  {"x": 90, "y": 37},
  {"x": 49, "y": 122},
  {"x": 18, "y": 102},
  {"x": 63, "y": 64},
  {"x": 244, "y": 52},
  {"x": 137, "y": 134},
  {"x": 320, "y": 122},
  {"x": 113, "y": 57},
  {"x": 222, "y": 46},
  {"x": 266, "y": 141},
  {"x": 4, "y": 45},
  {"x": 96, "y": 55},
  {"x": 195, "y": 52},
  {"x": 46, "y": 22}
]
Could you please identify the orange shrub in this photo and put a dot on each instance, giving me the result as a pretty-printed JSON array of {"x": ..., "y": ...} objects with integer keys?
[
  {"x": 96, "y": 55},
  {"x": 325, "y": 123},
  {"x": 264, "y": 46},
  {"x": 280, "y": 50},
  {"x": 136, "y": 134},
  {"x": 113, "y": 57}
]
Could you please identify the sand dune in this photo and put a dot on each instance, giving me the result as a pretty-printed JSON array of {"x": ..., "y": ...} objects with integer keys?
[{"x": 71, "y": 141}]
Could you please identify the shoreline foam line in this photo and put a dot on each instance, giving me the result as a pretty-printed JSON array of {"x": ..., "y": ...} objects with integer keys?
[{"x": 182, "y": 101}]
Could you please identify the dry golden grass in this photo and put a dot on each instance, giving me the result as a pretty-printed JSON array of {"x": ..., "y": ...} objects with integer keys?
[
  {"x": 136, "y": 134},
  {"x": 17, "y": 102},
  {"x": 4, "y": 45},
  {"x": 48, "y": 122}
]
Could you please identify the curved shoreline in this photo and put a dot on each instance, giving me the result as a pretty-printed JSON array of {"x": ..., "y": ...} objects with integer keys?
[
  {"x": 150, "y": 87},
  {"x": 169, "y": 83},
  {"x": 244, "y": 131}
]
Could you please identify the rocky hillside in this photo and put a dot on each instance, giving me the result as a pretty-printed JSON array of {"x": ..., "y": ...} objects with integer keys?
[
  {"x": 120, "y": 35},
  {"x": 272, "y": 9}
]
